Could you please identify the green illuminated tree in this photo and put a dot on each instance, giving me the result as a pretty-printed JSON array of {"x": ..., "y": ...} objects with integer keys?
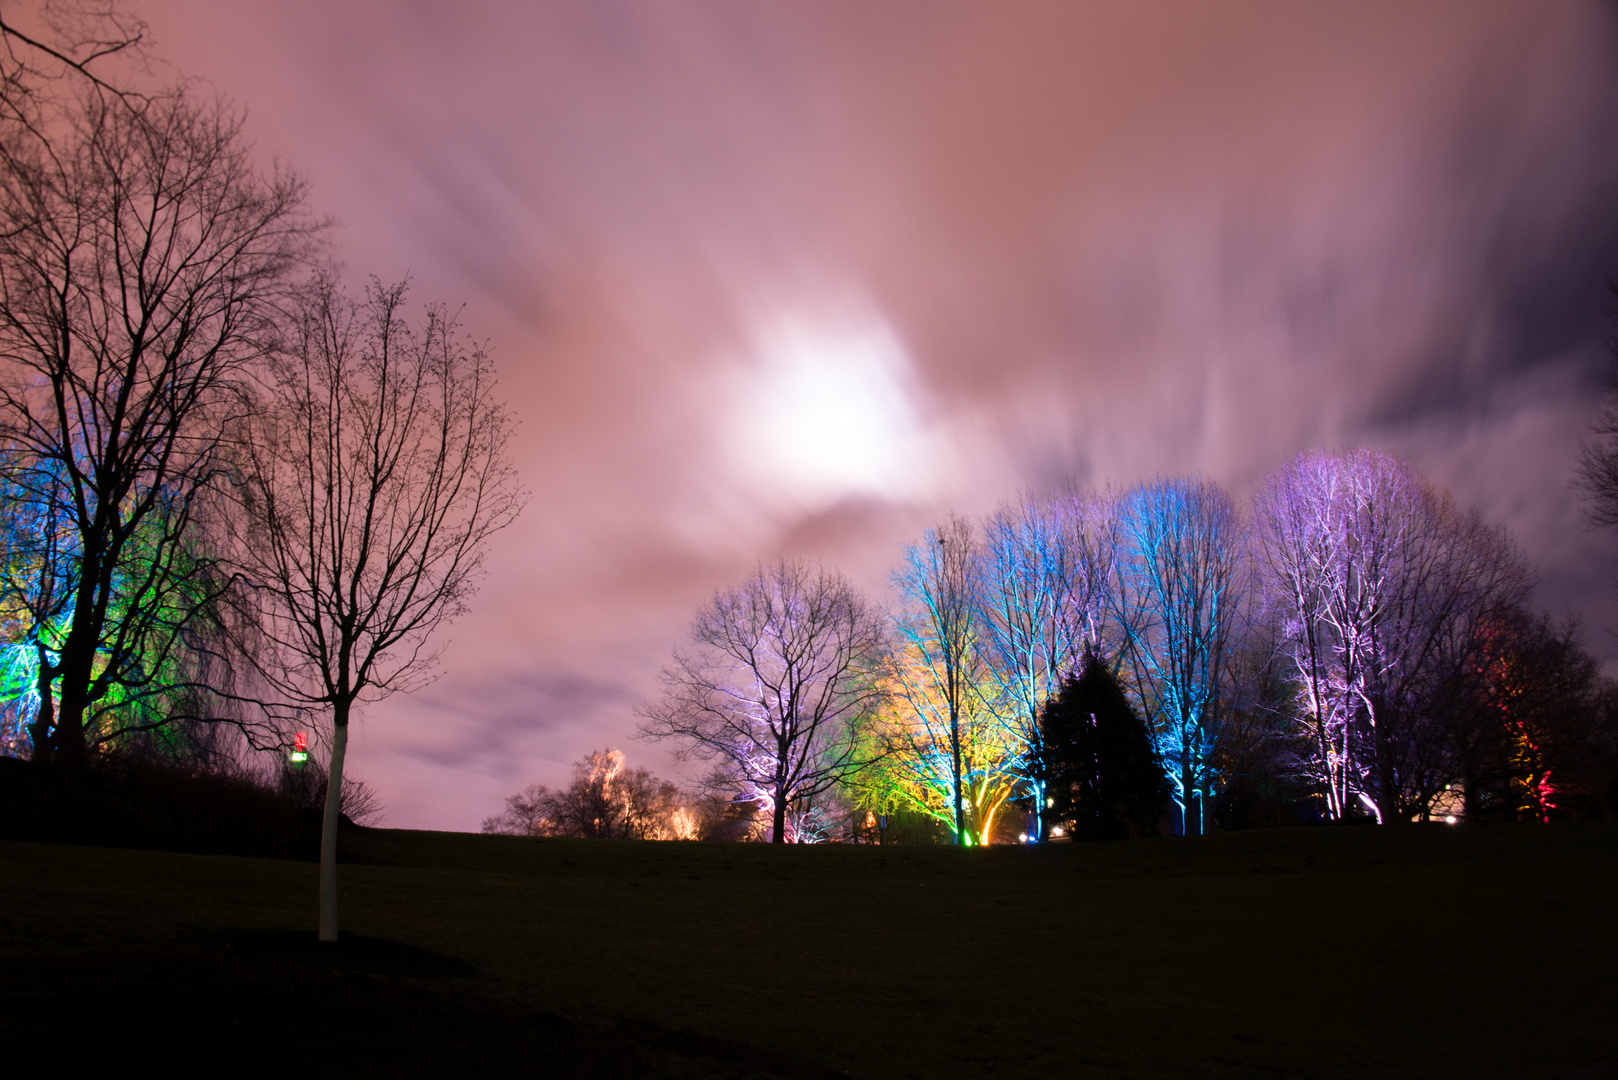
[{"x": 142, "y": 262}]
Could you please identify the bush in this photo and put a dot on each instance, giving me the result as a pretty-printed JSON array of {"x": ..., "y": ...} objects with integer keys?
[{"x": 133, "y": 801}]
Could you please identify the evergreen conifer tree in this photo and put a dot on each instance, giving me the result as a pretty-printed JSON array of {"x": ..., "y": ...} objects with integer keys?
[{"x": 1104, "y": 779}]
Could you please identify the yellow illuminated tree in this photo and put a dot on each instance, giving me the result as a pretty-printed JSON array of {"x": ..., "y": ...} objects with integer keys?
[{"x": 917, "y": 734}]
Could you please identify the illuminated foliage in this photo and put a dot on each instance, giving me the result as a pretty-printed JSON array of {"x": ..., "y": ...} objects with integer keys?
[
  {"x": 921, "y": 759},
  {"x": 159, "y": 666}
]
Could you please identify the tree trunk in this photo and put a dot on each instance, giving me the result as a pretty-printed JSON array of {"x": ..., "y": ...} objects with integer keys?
[
  {"x": 1387, "y": 795},
  {"x": 955, "y": 751},
  {"x": 76, "y": 661},
  {"x": 41, "y": 730},
  {"x": 779, "y": 819},
  {"x": 67, "y": 745},
  {"x": 328, "y": 829},
  {"x": 1190, "y": 815}
]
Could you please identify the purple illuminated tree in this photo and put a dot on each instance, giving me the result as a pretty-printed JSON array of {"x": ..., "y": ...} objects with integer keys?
[
  {"x": 1379, "y": 584},
  {"x": 783, "y": 667},
  {"x": 1299, "y": 540}
]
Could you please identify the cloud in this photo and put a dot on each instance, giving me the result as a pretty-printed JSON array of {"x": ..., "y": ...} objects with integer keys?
[{"x": 797, "y": 277}]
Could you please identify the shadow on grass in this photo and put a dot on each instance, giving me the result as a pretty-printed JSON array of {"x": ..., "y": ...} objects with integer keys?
[{"x": 271, "y": 1003}]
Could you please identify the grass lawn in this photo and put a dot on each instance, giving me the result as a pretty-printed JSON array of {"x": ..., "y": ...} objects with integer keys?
[{"x": 1431, "y": 951}]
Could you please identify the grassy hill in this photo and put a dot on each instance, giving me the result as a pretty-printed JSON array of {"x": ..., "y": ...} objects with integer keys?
[{"x": 1430, "y": 951}]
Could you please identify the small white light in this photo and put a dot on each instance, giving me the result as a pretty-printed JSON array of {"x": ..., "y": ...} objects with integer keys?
[{"x": 1450, "y": 819}]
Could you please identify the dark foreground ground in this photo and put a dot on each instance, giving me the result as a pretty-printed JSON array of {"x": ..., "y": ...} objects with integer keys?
[{"x": 1422, "y": 952}]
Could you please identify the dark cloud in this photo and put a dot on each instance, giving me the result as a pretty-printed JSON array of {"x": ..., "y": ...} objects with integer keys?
[{"x": 986, "y": 245}]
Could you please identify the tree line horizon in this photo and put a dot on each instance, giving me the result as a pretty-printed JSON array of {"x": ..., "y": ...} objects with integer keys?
[{"x": 1350, "y": 645}]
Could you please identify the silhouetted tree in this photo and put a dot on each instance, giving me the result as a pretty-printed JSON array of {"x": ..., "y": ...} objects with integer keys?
[
  {"x": 377, "y": 471},
  {"x": 1524, "y": 719},
  {"x": 604, "y": 801},
  {"x": 142, "y": 263},
  {"x": 1597, "y": 474},
  {"x": 1103, "y": 776}
]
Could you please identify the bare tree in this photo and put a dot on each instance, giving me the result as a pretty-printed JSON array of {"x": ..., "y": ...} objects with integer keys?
[
  {"x": 78, "y": 40},
  {"x": 939, "y": 582},
  {"x": 783, "y": 667},
  {"x": 1041, "y": 600},
  {"x": 142, "y": 262},
  {"x": 959, "y": 765},
  {"x": 604, "y": 801},
  {"x": 378, "y": 471},
  {"x": 1176, "y": 595},
  {"x": 1380, "y": 583},
  {"x": 1597, "y": 474},
  {"x": 1435, "y": 573},
  {"x": 1299, "y": 537}
]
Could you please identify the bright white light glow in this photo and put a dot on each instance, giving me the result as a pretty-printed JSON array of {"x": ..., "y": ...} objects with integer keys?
[
  {"x": 1450, "y": 819},
  {"x": 828, "y": 408}
]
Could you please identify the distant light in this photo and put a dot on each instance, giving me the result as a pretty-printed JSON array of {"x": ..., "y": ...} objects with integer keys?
[
  {"x": 1450, "y": 819},
  {"x": 299, "y": 756},
  {"x": 1049, "y": 803},
  {"x": 1022, "y": 838},
  {"x": 1056, "y": 830},
  {"x": 300, "y": 742}
]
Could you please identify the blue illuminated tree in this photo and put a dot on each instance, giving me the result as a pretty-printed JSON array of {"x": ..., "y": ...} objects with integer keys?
[
  {"x": 1041, "y": 602},
  {"x": 1176, "y": 596},
  {"x": 939, "y": 583}
]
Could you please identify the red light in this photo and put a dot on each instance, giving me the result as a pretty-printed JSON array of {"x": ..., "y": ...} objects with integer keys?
[{"x": 300, "y": 742}]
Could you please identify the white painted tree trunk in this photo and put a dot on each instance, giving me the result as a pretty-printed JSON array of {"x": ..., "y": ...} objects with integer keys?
[{"x": 328, "y": 836}]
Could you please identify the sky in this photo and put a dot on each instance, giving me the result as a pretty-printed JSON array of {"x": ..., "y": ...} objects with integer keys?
[{"x": 797, "y": 278}]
